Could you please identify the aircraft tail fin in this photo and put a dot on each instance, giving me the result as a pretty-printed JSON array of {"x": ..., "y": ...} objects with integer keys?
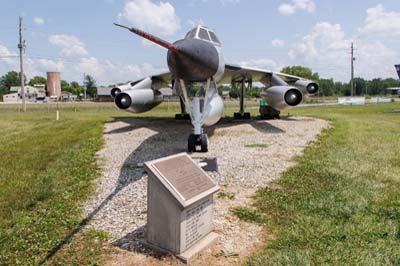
[
  {"x": 398, "y": 69},
  {"x": 150, "y": 37}
]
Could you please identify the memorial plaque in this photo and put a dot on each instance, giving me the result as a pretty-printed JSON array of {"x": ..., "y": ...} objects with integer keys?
[
  {"x": 179, "y": 205},
  {"x": 186, "y": 177},
  {"x": 197, "y": 222}
]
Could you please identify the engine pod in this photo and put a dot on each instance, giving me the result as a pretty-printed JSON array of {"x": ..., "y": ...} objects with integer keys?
[
  {"x": 138, "y": 101},
  {"x": 282, "y": 97},
  {"x": 307, "y": 86}
]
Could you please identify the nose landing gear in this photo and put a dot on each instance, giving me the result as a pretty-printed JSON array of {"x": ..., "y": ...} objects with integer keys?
[
  {"x": 195, "y": 141},
  {"x": 198, "y": 139}
]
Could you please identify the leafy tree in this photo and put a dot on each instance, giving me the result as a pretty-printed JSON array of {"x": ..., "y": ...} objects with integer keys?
[
  {"x": 359, "y": 86},
  {"x": 301, "y": 71},
  {"x": 10, "y": 79},
  {"x": 90, "y": 84},
  {"x": 76, "y": 88},
  {"x": 65, "y": 86},
  {"x": 37, "y": 80},
  {"x": 326, "y": 87}
]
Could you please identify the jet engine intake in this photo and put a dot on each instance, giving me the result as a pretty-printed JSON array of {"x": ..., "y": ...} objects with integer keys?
[
  {"x": 138, "y": 101},
  {"x": 307, "y": 86},
  {"x": 116, "y": 90},
  {"x": 282, "y": 97}
]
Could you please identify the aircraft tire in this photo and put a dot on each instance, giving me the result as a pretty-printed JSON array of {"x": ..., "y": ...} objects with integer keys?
[
  {"x": 192, "y": 143},
  {"x": 204, "y": 143}
]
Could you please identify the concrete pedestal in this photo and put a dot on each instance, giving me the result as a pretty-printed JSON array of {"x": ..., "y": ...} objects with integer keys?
[{"x": 179, "y": 206}]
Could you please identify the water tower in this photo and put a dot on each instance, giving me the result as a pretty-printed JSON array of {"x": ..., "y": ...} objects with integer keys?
[{"x": 54, "y": 84}]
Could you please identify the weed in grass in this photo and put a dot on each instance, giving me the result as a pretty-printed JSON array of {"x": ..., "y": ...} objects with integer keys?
[
  {"x": 226, "y": 254},
  {"x": 226, "y": 195},
  {"x": 247, "y": 214}
]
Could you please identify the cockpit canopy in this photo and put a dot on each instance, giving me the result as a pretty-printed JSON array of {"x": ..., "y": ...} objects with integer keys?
[{"x": 203, "y": 33}]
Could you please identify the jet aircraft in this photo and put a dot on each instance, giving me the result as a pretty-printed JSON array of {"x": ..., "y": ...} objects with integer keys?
[{"x": 198, "y": 59}]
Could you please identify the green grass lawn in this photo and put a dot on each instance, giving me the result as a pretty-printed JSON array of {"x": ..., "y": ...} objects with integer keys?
[
  {"x": 47, "y": 170},
  {"x": 341, "y": 204}
]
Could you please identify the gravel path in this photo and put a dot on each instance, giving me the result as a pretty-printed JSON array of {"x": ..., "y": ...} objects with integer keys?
[{"x": 119, "y": 205}]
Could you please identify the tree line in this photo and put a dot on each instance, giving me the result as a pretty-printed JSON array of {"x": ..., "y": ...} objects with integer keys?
[{"x": 328, "y": 87}]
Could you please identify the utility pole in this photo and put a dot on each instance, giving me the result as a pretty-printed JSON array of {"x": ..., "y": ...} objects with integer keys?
[
  {"x": 84, "y": 87},
  {"x": 21, "y": 47},
  {"x": 352, "y": 69}
]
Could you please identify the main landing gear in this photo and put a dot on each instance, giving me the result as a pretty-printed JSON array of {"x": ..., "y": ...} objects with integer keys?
[
  {"x": 269, "y": 113},
  {"x": 242, "y": 115}
]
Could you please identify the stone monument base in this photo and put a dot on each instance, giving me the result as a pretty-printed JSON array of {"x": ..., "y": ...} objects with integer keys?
[{"x": 189, "y": 255}]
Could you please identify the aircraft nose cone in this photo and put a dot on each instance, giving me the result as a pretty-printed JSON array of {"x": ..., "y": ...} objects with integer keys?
[{"x": 195, "y": 60}]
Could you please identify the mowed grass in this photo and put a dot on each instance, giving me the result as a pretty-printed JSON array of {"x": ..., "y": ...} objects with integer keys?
[
  {"x": 341, "y": 204},
  {"x": 47, "y": 169}
]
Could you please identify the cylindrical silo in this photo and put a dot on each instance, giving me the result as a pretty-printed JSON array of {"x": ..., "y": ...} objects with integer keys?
[{"x": 54, "y": 84}]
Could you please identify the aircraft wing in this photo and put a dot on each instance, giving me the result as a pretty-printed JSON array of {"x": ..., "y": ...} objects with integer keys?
[
  {"x": 237, "y": 73},
  {"x": 164, "y": 78},
  {"x": 233, "y": 73}
]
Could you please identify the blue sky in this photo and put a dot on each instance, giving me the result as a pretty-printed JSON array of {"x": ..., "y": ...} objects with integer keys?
[{"x": 77, "y": 37}]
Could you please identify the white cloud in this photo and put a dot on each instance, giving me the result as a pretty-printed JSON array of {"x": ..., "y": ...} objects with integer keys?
[
  {"x": 297, "y": 5},
  {"x": 104, "y": 71},
  {"x": 326, "y": 49},
  {"x": 194, "y": 23},
  {"x": 39, "y": 21},
  {"x": 70, "y": 44},
  {"x": 90, "y": 65},
  {"x": 156, "y": 18},
  {"x": 32, "y": 66},
  {"x": 263, "y": 63},
  {"x": 6, "y": 56},
  {"x": 108, "y": 72},
  {"x": 223, "y": 2},
  {"x": 51, "y": 65},
  {"x": 380, "y": 22},
  {"x": 277, "y": 42}
]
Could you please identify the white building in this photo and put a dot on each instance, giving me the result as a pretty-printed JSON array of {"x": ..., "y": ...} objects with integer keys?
[{"x": 10, "y": 98}]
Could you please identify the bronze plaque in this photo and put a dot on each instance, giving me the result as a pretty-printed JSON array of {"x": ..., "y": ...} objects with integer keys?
[{"x": 185, "y": 176}]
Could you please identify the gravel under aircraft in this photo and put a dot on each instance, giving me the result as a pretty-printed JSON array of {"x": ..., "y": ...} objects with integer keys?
[{"x": 197, "y": 60}]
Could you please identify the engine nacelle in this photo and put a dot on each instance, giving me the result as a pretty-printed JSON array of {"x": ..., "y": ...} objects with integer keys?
[
  {"x": 213, "y": 110},
  {"x": 116, "y": 90},
  {"x": 138, "y": 101},
  {"x": 282, "y": 97},
  {"x": 307, "y": 86}
]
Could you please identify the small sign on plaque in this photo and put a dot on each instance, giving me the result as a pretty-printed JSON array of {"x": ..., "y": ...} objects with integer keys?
[{"x": 179, "y": 204}]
